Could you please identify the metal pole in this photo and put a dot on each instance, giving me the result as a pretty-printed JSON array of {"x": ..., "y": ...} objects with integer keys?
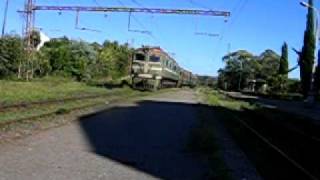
[
  {"x": 311, "y": 97},
  {"x": 5, "y": 18},
  {"x": 240, "y": 78}
]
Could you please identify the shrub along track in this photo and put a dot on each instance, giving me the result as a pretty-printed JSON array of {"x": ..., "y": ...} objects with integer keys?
[{"x": 281, "y": 145}]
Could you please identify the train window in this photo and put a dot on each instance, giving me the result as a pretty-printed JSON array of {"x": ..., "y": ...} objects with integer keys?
[
  {"x": 140, "y": 57},
  {"x": 154, "y": 59}
]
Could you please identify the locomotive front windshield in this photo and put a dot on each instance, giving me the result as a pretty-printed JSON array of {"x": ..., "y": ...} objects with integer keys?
[
  {"x": 154, "y": 59},
  {"x": 140, "y": 57}
]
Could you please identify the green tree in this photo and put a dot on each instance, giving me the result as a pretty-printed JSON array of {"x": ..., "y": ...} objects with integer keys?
[
  {"x": 41, "y": 64},
  {"x": 12, "y": 55},
  {"x": 58, "y": 53},
  {"x": 284, "y": 64},
  {"x": 114, "y": 60},
  {"x": 83, "y": 58},
  {"x": 279, "y": 82},
  {"x": 71, "y": 58},
  {"x": 269, "y": 64},
  {"x": 307, "y": 54},
  {"x": 240, "y": 67},
  {"x": 35, "y": 38}
]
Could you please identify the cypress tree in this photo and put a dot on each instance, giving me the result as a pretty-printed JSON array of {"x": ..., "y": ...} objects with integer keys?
[
  {"x": 284, "y": 64},
  {"x": 307, "y": 54}
]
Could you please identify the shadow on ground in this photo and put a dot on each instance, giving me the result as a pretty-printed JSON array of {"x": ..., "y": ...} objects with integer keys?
[
  {"x": 149, "y": 136},
  {"x": 296, "y": 136}
]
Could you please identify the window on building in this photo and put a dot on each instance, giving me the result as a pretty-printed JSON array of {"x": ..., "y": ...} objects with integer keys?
[
  {"x": 154, "y": 59},
  {"x": 140, "y": 57}
]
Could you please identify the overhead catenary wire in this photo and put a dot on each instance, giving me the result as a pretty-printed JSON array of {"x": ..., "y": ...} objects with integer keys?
[
  {"x": 135, "y": 30},
  {"x": 96, "y": 2},
  {"x": 145, "y": 31},
  {"x": 236, "y": 10},
  {"x": 197, "y": 32},
  {"x": 137, "y": 3},
  {"x": 142, "y": 6},
  {"x": 83, "y": 28},
  {"x": 197, "y": 4}
]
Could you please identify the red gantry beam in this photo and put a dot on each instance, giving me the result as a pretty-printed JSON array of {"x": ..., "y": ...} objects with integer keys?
[{"x": 133, "y": 10}]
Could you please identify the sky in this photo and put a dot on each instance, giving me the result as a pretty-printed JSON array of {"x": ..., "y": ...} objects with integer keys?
[{"x": 254, "y": 25}]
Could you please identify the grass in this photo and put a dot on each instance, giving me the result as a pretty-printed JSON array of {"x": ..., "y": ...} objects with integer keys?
[
  {"x": 12, "y": 92},
  {"x": 203, "y": 141},
  {"x": 214, "y": 98}
]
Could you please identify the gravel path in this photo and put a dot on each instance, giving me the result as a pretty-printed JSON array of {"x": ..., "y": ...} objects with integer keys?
[{"x": 143, "y": 140}]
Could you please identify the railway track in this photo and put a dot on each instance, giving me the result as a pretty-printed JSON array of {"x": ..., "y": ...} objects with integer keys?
[
  {"x": 112, "y": 99},
  {"x": 297, "y": 142},
  {"x": 278, "y": 150},
  {"x": 298, "y": 148},
  {"x": 47, "y": 102}
]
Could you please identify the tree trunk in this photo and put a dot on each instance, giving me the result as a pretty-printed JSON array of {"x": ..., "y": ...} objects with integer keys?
[{"x": 19, "y": 70}]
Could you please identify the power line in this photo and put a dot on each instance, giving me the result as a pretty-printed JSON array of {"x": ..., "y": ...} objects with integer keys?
[
  {"x": 137, "y": 21},
  {"x": 236, "y": 10},
  {"x": 239, "y": 12},
  {"x": 145, "y": 31},
  {"x": 5, "y": 18},
  {"x": 197, "y": 4},
  {"x": 83, "y": 28},
  {"x": 121, "y": 3},
  {"x": 96, "y": 2},
  {"x": 137, "y": 3},
  {"x": 142, "y": 6}
]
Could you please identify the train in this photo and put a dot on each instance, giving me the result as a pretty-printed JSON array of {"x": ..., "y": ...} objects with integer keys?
[{"x": 153, "y": 68}]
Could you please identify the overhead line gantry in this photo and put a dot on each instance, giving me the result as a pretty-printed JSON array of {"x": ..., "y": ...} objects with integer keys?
[
  {"x": 31, "y": 8},
  {"x": 133, "y": 10}
]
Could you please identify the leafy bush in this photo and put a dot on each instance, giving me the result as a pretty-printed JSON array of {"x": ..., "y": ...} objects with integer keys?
[{"x": 64, "y": 57}]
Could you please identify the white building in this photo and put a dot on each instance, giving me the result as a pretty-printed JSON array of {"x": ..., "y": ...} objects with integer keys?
[{"x": 43, "y": 39}]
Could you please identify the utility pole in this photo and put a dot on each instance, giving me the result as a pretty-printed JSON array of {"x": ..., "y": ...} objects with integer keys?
[
  {"x": 240, "y": 78},
  {"x": 29, "y": 26},
  {"x": 5, "y": 18}
]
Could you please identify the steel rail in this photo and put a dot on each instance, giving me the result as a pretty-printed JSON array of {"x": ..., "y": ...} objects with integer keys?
[
  {"x": 277, "y": 149},
  {"x": 51, "y": 101}
]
